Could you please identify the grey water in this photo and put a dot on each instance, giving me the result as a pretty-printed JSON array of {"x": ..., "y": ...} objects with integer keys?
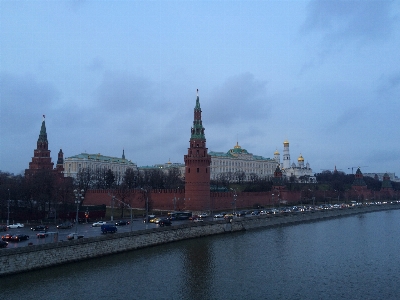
[{"x": 356, "y": 257}]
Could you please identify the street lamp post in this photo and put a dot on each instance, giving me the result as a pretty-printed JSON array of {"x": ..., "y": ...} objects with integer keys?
[
  {"x": 8, "y": 208},
  {"x": 112, "y": 208},
  {"x": 234, "y": 201},
  {"x": 147, "y": 205},
  {"x": 78, "y": 197}
]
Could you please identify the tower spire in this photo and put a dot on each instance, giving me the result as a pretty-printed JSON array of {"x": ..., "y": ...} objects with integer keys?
[{"x": 197, "y": 129}]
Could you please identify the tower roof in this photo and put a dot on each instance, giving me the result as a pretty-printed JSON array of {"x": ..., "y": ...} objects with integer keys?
[
  {"x": 197, "y": 129},
  {"x": 43, "y": 134}
]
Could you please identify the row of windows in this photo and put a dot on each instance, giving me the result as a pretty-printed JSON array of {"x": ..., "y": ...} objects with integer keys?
[{"x": 243, "y": 164}]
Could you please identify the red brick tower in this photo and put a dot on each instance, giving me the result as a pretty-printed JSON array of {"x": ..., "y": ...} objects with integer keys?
[
  {"x": 41, "y": 159},
  {"x": 197, "y": 166}
]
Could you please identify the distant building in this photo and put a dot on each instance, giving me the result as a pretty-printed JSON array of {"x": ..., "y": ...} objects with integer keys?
[
  {"x": 239, "y": 162},
  {"x": 94, "y": 162},
  {"x": 301, "y": 171},
  {"x": 379, "y": 176}
]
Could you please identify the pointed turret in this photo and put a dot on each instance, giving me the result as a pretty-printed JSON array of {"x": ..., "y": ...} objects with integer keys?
[
  {"x": 41, "y": 159},
  {"x": 197, "y": 166}
]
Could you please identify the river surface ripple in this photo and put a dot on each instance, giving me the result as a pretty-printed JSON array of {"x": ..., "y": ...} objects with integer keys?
[{"x": 354, "y": 257}]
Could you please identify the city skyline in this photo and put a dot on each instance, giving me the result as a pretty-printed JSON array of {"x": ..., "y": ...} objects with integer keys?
[{"x": 109, "y": 76}]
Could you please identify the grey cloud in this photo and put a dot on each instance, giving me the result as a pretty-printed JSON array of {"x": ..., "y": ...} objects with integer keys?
[
  {"x": 96, "y": 64},
  {"x": 25, "y": 99},
  {"x": 240, "y": 98},
  {"x": 340, "y": 19},
  {"x": 122, "y": 91},
  {"x": 389, "y": 83}
]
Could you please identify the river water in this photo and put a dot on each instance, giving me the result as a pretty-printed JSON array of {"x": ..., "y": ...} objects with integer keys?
[{"x": 354, "y": 257}]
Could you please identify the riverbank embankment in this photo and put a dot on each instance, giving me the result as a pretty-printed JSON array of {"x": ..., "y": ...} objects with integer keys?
[{"x": 40, "y": 256}]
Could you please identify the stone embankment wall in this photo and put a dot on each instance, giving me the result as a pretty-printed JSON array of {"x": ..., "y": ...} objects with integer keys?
[{"x": 40, "y": 256}]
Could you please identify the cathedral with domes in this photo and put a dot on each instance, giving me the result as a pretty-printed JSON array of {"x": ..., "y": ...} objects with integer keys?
[{"x": 301, "y": 172}]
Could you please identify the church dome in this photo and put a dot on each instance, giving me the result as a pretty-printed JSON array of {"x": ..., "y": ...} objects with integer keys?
[
  {"x": 286, "y": 142},
  {"x": 276, "y": 152},
  {"x": 300, "y": 158}
]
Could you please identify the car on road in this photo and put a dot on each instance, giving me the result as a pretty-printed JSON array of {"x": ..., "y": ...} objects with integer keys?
[
  {"x": 108, "y": 228},
  {"x": 6, "y": 237},
  {"x": 99, "y": 223},
  {"x": 16, "y": 225},
  {"x": 19, "y": 237},
  {"x": 203, "y": 215},
  {"x": 150, "y": 219},
  {"x": 3, "y": 244},
  {"x": 241, "y": 213},
  {"x": 42, "y": 235},
  {"x": 198, "y": 220},
  {"x": 164, "y": 222},
  {"x": 219, "y": 215},
  {"x": 228, "y": 217},
  {"x": 65, "y": 225},
  {"x": 40, "y": 228},
  {"x": 121, "y": 222},
  {"x": 74, "y": 236}
]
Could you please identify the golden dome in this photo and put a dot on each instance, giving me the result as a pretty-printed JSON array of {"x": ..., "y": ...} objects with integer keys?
[
  {"x": 237, "y": 146},
  {"x": 276, "y": 152},
  {"x": 286, "y": 142},
  {"x": 300, "y": 158}
]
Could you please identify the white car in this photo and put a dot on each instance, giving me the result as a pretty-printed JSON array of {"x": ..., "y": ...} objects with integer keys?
[
  {"x": 220, "y": 215},
  {"x": 17, "y": 225},
  {"x": 99, "y": 223}
]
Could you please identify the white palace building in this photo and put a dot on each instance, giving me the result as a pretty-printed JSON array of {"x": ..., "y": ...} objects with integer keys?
[
  {"x": 239, "y": 161},
  {"x": 73, "y": 164}
]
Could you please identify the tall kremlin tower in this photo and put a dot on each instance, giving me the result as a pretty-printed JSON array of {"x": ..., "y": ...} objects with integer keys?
[
  {"x": 41, "y": 159},
  {"x": 197, "y": 166}
]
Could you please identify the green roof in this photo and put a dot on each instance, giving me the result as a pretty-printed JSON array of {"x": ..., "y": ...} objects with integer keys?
[{"x": 99, "y": 157}]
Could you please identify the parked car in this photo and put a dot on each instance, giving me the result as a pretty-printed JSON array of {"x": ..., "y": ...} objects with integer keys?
[
  {"x": 240, "y": 213},
  {"x": 108, "y": 228},
  {"x": 121, "y": 222},
  {"x": 19, "y": 237},
  {"x": 41, "y": 235},
  {"x": 203, "y": 215},
  {"x": 198, "y": 220},
  {"x": 40, "y": 228},
  {"x": 6, "y": 237},
  {"x": 65, "y": 225},
  {"x": 17, "y": 225},
  {"x": 74, "y": 236},
  {"x": 164, "y": 222},
  {"x": 219, "y": 215},
  {"x": 3, "y": 244},
  {"x": 99, "y": 223},
  {"x": 149, "y": 219},
  {"x": 228, "y": 217}
]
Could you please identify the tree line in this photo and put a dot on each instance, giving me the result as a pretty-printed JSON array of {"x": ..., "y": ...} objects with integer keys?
[{"x": 43, "y": 191}]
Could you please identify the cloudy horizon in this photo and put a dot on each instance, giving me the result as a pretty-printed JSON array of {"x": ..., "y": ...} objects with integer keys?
[{"x": 108, "y": 76}]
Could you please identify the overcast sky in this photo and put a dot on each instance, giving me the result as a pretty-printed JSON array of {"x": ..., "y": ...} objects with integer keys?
[{"x": 114, "y": 75}]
